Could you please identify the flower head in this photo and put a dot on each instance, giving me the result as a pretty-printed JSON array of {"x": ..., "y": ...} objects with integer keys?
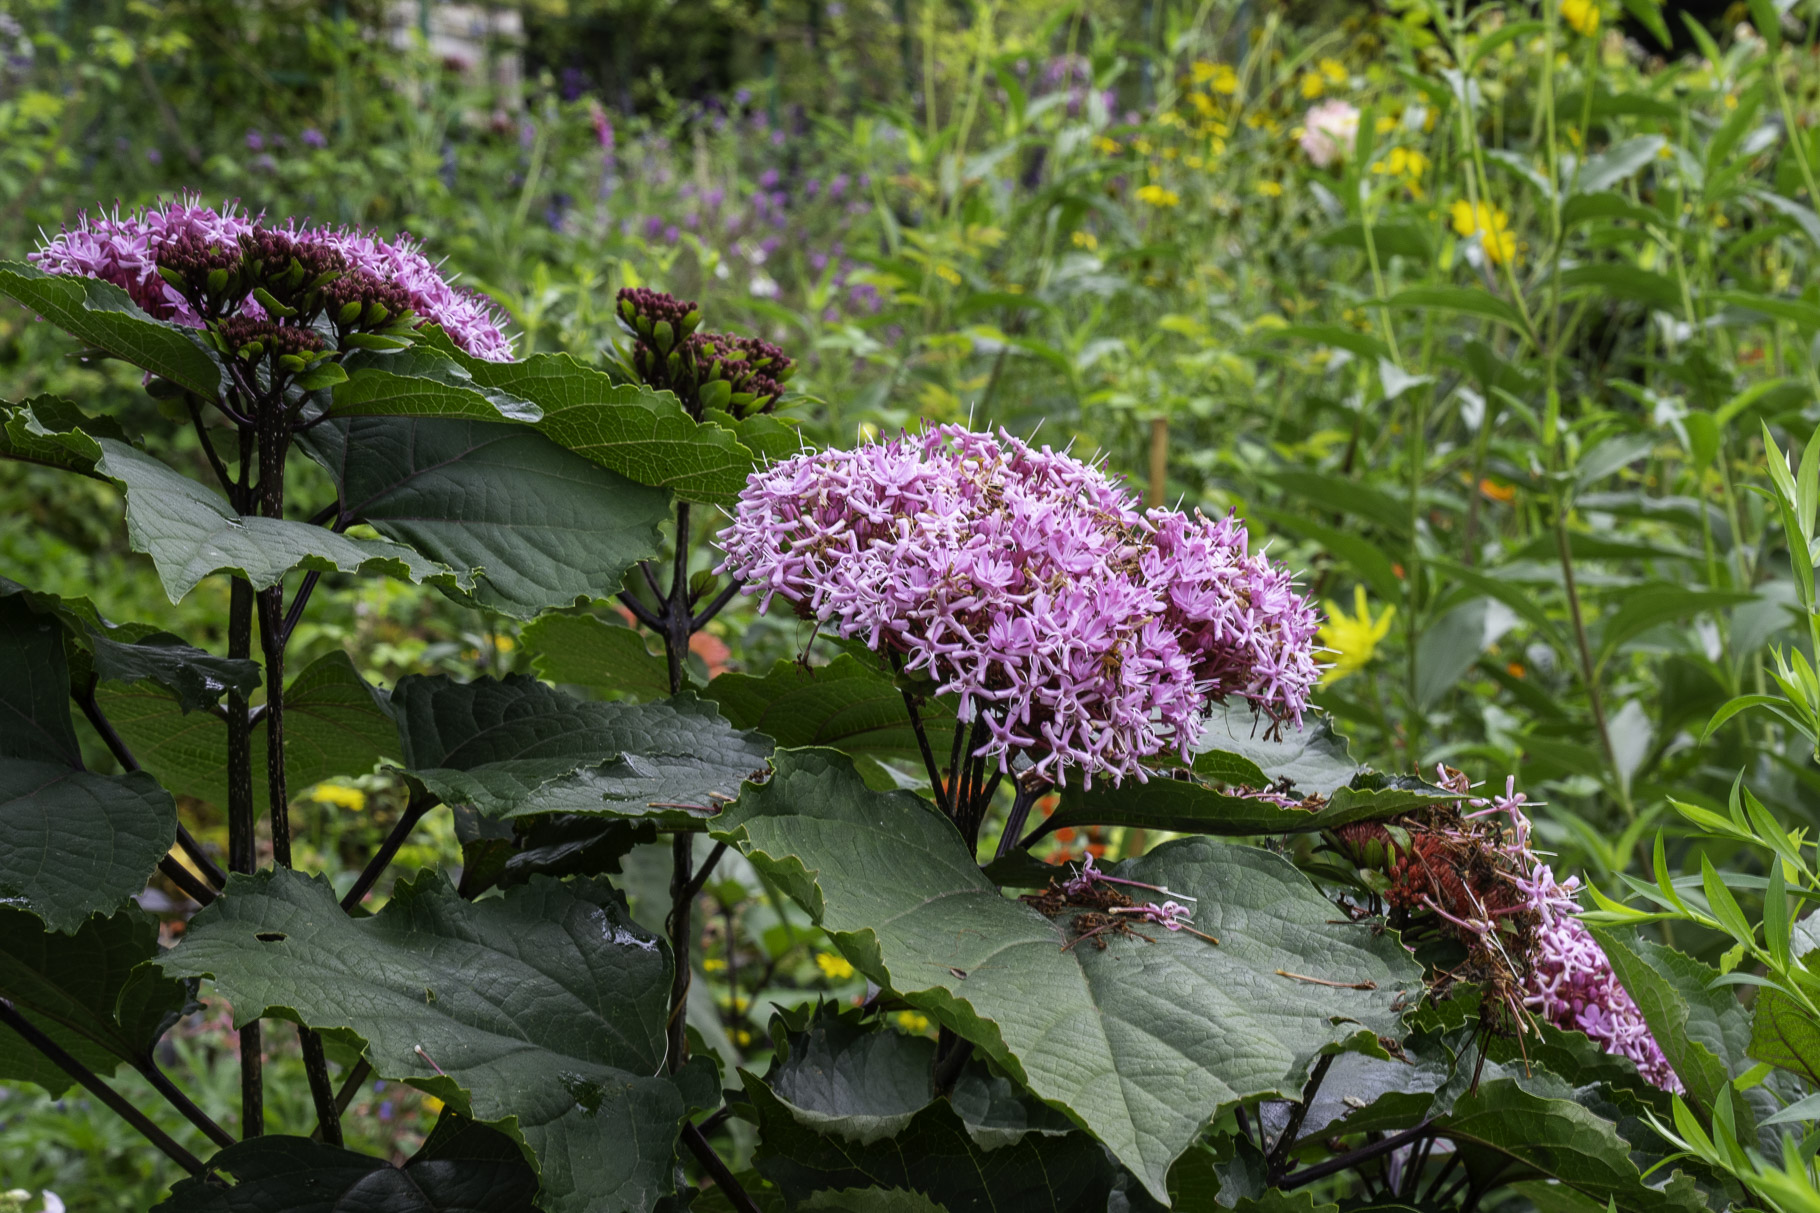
[
  {"x": 1490, "y": 225},
  {"x": 1353, "y": 639},
  {"x": 162, "y": 256},
  {"x": 1328, "y": 132},
  {"x": 1581, "y": 15},
  {"x": 1078, "y": 630}
]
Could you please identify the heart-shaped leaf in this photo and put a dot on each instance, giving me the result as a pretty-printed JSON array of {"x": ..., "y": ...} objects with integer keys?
[
  {"x": 514, "y": 747},
  {"x": 103, "y": 316},
  {"x": 846, "y": 705},
  {"x": 335, "y": 723},
  {"x": 605, "y": 657},
  {"x": 90, "y": 991},
  {"x": 641, "y": 434},
  {"x": 1141, "y": 1042},
  {"x": 422, "y": 382},
  {"x": 191, "y": 532},
  {"x": 1189, "y": 807},
  {"x": 51, "y": 431},
  {"x": 848, "y": 1106},
  {"x": 541, "y": 1011},
  {"x": 542, "y": 526},
  {"x": 462, "y": 1168},
  {"x": 71, "y": 842}
]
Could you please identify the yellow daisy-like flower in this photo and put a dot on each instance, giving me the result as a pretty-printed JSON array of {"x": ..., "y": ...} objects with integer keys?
[
  {"x": 1491, "y": 225},
  {"x": 351, "y": 799},
  {"x": 1270, "y": 189},
  {"x": 1086, "y": 240},
  {"x": 1312, "y": 85},
  {"x": 1354, "y": 638},
  {"x": 1333, "y": 71},
  {"x": 1156, "y": 195},
  {"x": 834, "y": 968},
  {"x": 1582, "y": 15},
  {"x": 1407, "y": 163}
]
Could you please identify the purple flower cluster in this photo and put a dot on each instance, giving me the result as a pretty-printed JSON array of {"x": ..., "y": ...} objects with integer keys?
[
  {"x": 1078, "y": 629},
  {"x": 123, "y": 249},
  {"x": 1569, "y": 981}
]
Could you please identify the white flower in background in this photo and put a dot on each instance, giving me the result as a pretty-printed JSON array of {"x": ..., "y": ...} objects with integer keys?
[{"x": 1328, "y": 131}]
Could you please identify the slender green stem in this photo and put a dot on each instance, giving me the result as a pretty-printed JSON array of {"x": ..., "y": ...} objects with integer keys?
[{"x": 92, "y": 1082}]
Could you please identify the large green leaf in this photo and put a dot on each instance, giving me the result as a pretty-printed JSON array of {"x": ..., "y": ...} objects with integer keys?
[
  {"x": 421, "y": 382},
  {"x": 640, "y": 434},
  {"x": 52, "y": 431},
  {"x": 1312, "y": 759},
  {"x": 846, "y": 705},
  {"x": 1704, "y": 1032},
  {"x": 606, "y": 657},
  {"x": 335, "y": 723},
  {"x": 463, "y": 1168},
  {"x": 1187, "y": 806},
  {"x": 514, "y": 747},
  {"x": 191, "y": 532},
  {"x": 102, "y": 315},
  {"x": 136, "y": 652},
  {"x": 71, "y": 842},
  {"x": 90, "y": 991},
  {"x": 1784, "y": 1034},
  {"x": 541, "y": 526},
  {"x": 847, "y": 1106},
  {"x": 1143, "y": 1042},
  {"x": 541, "y": 1011},
  {"x": 1503, "y": 1124}
]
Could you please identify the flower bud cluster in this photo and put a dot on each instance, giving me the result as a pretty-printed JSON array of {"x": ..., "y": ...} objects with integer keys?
[
  {"x": 191, "y": 264},
  {"x": 1081, "y": 631},
  {"x": 722, "y": 371}
]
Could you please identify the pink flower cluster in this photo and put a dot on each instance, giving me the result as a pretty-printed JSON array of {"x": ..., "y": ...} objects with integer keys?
[
  {"x": 1082, "y": 631},
  {"x": 123, "y": 249},
  {"x": 1569, "y": 981}
]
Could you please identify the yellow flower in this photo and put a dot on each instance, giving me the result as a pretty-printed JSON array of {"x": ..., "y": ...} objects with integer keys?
[
  {"x": 1491, "y": 225},
  {"x": 1219, "y": 77},
  {"x": 1270, "y": 189},
  {"x": 352, "y": 799},
  {"x": 835, "y": 968},
  {"x": 1583, "y": 15},
  {"x": 431, "y": 1105},
  {"x": 947, "y": 273},
  {"x": 911, "y": 1021},
  {"x": 1405, "y": 162},
  {"x": 1353, "y": 640},
  {"x": 712, "y": 964},
  {"x": 1312, "y": 85},
  {"x": 1333, "y": 70},
  {"x": 1156, "y": 195},
  {"x": 1086, "y": 240},
  {"x": 1105, "y": 146}
]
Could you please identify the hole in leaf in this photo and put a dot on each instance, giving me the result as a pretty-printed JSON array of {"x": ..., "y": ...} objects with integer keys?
[{"x": 270, "y": 937}]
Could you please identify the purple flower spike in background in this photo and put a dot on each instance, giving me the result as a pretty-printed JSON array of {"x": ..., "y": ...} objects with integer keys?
[{"x": 1077, "y": 629}]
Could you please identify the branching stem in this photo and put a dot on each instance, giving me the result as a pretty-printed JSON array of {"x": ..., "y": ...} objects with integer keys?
[{"x": 92, "y": 1082}]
